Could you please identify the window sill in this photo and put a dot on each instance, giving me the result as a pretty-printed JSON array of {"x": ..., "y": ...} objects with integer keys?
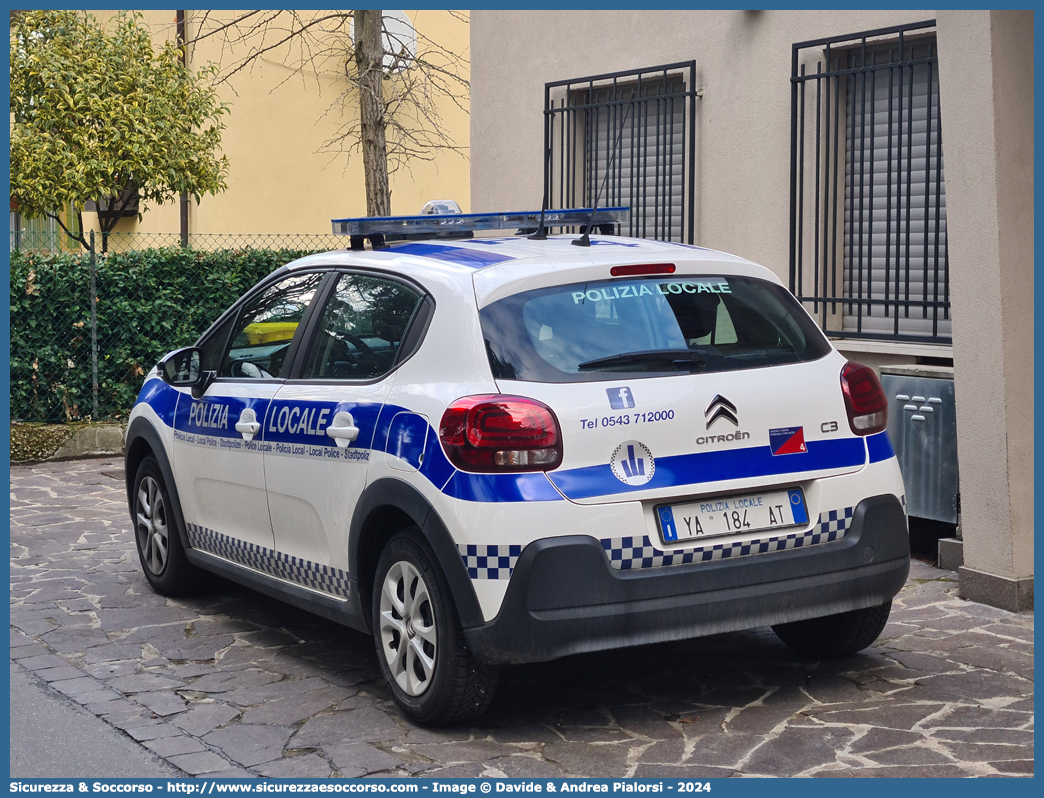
[{"x": 893, "y": 347}]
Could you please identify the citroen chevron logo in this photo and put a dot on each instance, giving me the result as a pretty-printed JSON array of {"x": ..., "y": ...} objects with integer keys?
[{"x": 720, "y": 407}]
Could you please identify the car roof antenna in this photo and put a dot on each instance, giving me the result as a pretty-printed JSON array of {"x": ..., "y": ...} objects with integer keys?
[{"x": 585, "y": 239}]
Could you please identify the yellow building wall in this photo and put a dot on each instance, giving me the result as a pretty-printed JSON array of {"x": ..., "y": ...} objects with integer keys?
[{"x": 278, "y": 182}]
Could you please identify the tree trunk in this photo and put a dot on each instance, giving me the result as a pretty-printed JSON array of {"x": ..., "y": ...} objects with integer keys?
[{"x": 369, "y": 54}]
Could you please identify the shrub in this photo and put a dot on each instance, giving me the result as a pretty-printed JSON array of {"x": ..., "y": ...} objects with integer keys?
[{"x": 149, "y": 302}]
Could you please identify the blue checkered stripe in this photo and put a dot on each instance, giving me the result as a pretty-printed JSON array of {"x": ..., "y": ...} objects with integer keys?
[
  {"x": 626, "y": 554},
  {"x": 489, "y": 562},
  {"x": 274, "y": 563}
]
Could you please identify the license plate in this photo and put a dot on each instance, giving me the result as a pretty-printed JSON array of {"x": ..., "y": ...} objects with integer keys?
[{"x": 732, "y": 515}]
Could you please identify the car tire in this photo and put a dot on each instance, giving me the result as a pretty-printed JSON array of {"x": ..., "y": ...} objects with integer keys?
[
  {"x": 835, "y": 635},
  {"x": 158, "y": 537},
  {"x": 420, "y": 643}
]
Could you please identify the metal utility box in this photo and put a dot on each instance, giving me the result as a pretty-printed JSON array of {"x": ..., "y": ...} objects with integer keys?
[{"x": 922, "y": 425}]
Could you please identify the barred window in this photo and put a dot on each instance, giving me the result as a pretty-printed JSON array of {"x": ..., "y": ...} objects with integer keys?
[
  {"x": 625, "y": 138},
  {"x": 868, "y": 194}
]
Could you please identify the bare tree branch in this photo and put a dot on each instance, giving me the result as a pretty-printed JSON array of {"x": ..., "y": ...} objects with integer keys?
[
  {"x": 221, "y": 28},
  {"x": 404, "y": 105}
]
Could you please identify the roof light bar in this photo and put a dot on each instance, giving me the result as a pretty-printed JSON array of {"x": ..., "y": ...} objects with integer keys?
[{"x": 467, "y": 222}]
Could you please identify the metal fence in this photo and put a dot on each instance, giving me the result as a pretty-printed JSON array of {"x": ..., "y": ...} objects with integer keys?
[
  {"x": 57, "y": 242},
  {"x": 87, "y": 323}
]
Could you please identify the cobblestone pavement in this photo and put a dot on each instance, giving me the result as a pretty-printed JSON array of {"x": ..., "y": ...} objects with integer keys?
[{"x": 236, "y": 684}]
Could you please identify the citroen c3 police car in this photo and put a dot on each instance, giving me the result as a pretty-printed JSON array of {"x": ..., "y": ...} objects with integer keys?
[{"x": 505, "y": 450}]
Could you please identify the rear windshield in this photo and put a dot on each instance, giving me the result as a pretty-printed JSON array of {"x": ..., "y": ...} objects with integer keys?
[{"x": 649, "y": 326}]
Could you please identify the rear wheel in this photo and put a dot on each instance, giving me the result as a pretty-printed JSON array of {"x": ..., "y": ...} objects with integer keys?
[
  {"x": 835, "y": 635},
  {"x": 420, "y": 644},
  {"x": 157, "y": 535}
]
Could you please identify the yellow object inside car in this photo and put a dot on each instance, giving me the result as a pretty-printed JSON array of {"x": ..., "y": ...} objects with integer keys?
[{"x": 269, "y": 332}]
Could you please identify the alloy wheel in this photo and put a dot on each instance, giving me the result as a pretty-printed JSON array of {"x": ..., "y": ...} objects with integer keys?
[
  {"x": 151, "y": 517},
  {"x": 407, "y": 628}
]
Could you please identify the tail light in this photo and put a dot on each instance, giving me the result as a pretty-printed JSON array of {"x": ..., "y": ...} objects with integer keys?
[
  {"x": 497, "y": 433},
  {"x": 865, "y": 399}
]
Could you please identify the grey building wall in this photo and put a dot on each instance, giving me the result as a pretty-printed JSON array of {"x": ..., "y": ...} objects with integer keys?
[
  {"x": 986, "y": 69},
  {"x": 743, "y": 191}
]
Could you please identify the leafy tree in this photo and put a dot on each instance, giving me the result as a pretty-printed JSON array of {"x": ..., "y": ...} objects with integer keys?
[
  {"x": 102, "y": 116},
  {"x": 394, "y": 86}
]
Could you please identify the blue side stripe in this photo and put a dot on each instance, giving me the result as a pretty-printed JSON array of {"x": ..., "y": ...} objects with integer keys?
[
  {"x": 161, "y": 398},
  {"x": 879, "y": 447},
  {"x": 577, "y": 483},
  {"x": 694, "y": 469},
  {"x": 463, "y": 256},
  {"x": 436, "y": 466},
  {"x": 531, "y": 487},
  {"x": 213, "y": 421},
  {"x": 296, "y": 426}
]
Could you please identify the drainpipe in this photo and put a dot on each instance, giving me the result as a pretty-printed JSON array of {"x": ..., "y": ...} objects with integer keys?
[{"x": 184, "y": 62}]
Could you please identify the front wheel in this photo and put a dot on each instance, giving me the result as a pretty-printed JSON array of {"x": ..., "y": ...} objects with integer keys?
[
  {"x": 157, "y": 536},
  {"x": 835, "y": 635},
  {"x": 420, "y": 644}
]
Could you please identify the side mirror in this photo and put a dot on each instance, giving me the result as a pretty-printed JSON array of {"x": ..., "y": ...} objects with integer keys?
[{"x": 183, "y": 367}]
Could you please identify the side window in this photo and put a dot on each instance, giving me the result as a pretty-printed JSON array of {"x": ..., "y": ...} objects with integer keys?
[
  {"x": 361, "y": 329},
  {"x": 214, "y": 347},
  {"x": 266, "y": 327}
]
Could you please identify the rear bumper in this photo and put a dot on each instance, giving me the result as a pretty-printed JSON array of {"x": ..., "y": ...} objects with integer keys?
[{"x": 564, "y": 598}]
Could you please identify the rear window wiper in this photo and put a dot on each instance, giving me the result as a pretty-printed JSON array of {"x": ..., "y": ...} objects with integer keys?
[{"x": 647, "y": 356}]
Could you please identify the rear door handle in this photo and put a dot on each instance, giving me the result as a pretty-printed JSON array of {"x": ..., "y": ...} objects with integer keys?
[
  {"x": 342, "y": 429},
  {"x": 248, "y": 425}
]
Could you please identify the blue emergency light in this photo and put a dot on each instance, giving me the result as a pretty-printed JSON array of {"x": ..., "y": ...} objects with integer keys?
[{"x": 463, "y": 225}]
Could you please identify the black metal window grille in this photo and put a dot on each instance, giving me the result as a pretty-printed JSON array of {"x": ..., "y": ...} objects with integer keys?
[
  {"x": 868, "y": 252},
  {"x": 627, "y": 137}
]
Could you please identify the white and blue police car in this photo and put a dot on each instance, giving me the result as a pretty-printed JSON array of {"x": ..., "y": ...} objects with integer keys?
[{"x": 487, "y": 451}]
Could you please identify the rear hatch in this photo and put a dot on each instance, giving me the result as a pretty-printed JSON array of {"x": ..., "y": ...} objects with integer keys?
[{"x": 676, "y": 387}]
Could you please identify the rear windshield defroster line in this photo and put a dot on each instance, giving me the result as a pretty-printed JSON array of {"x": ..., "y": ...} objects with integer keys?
[{"x": 652, "y": 326}]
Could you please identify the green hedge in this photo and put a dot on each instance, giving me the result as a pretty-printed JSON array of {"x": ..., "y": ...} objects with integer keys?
[{"x": 149, "y": 302}]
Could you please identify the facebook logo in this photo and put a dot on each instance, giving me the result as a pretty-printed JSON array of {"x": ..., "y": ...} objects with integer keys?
[
  {"x": 633, "y": 466},
  {"x": 620, "y": 398}
]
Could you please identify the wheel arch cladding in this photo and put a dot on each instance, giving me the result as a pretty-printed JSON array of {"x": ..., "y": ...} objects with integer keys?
[
  {"x": 385, "y": 507},
  {"x": 143, "y": 441}
]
